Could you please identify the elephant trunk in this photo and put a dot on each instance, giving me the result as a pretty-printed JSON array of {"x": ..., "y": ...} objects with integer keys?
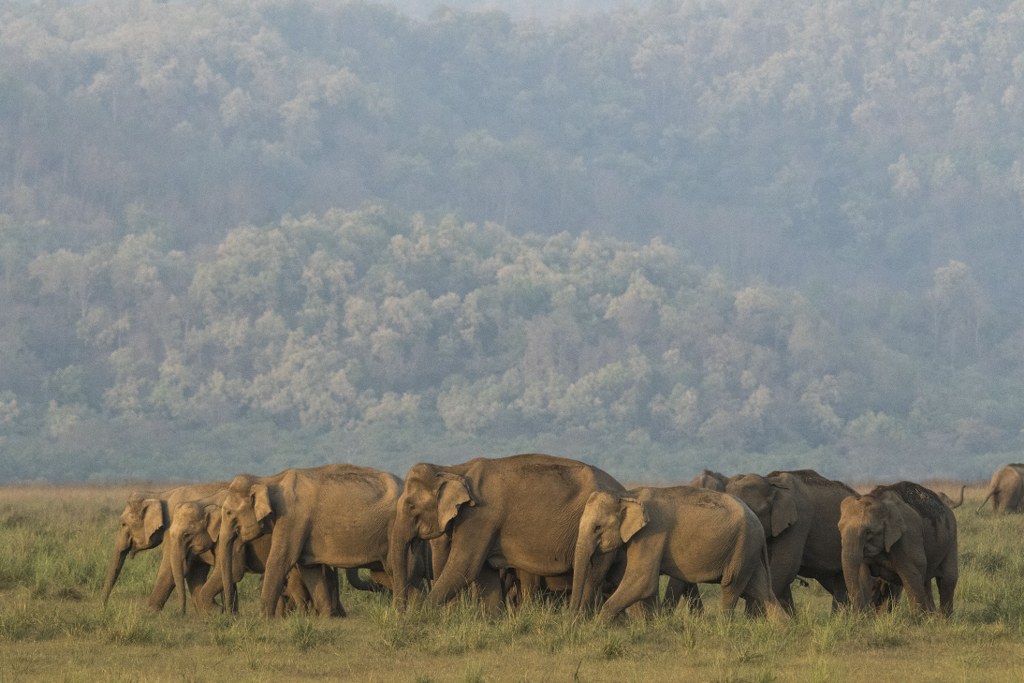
[
  {"x": 402, "y": 533},
  {"x": 179, "y": 561},
  {"x": 985, "y": 500},
  {"x": 361, "y": 584},
  {"x": 225, "y": 563},
  {"x": 121, "y": 549},
  {"x": 582, "y": 576},
  {"x": 961, "y": 501},
  {"x": 854, "y": 570}
]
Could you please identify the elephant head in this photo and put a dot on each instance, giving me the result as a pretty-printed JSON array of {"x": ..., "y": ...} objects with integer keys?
[
  {"x": 143, "y": 521},
  {"x": 709, "y": 479},
  {"x": 773, "y": 502},
  {"x": 431, "y": 499},
  {"x": 869, "y": 527},
  {"x": 608, "y": 521},
  {"x": 193, "y": 532},
  {"x": 246, "y": 513}
]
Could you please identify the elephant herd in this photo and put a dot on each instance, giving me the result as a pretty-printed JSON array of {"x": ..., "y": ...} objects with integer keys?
[{"x": 516, "y": 527}]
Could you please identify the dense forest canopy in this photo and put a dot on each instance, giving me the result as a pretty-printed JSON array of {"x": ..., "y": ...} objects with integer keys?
[{"x": 243, "y": 235}]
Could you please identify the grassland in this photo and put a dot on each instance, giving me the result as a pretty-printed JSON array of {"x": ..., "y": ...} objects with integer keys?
[{"x": 55, "y": 544}]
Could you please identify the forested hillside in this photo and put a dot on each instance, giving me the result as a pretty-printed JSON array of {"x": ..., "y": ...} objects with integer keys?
[{"x": 242, "y": 235}]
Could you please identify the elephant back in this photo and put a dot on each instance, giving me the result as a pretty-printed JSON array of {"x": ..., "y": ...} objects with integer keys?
[
  {"x": 812, "y": 478},
  {"x": 923, "y": 501}
]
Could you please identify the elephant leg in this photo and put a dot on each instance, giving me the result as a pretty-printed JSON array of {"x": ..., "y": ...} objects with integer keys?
[
  {"x": 295, "y": 590},
  {"x": 511, "y": 587},
  {"x": 784, "y": 563},
  {"x": 836, "y": 586},
  {"x": 946, "y": 582},
  {"x": 322, "y": 584},
  {"x": 488, "y": 585},
  {"x": 284, "y": 554},
  {"x": 381, "y": 582},
  {"x": 643, "y": 609},
  {"x": 888, "y": 595},
  {"x": 637, "y": 584},
  {"x": 611, "y": 566},
  {"x": 205, "y": 597},
  {"x": 918, "y": 588},
  {"x": 530, "y": 587},
  {"x": 678, "y": 591},
  {"x": 163, "y": 586},
  {"x": 785, "y": 599},
  {"x": 758, "y": 593},
  {"x": 465, "y": 560}
]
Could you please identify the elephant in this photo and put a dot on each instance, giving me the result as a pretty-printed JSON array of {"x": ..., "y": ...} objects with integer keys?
[
  {"x": 799, "y": 511},
  {"x": 692, "y": 534},
  {"x": 192, "y": 537},
  {"x": 333, "y": 515},
  {"x": 904, "y": 534},
  {"x": 519, "y": 511},
  {"x": 144, "y": 519},
  {"x": 709, "y": 479},
  {"x": 1006, "y": 490},
  {"x": 950, "y": 503}
]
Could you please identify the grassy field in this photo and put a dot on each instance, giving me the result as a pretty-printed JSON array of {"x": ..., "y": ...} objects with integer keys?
[{"x": 55, "y": 544}]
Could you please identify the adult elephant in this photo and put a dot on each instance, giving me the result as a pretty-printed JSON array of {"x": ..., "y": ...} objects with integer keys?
[
  {"x": 709, "y": 479},
  {"x": 192, "y": 538},
  {"x": 1006, "y": 489},
  {"x": 143, "y": 521},
  {"x": 903, "y": 534},
  {"x": 333, "y": 515},
  {"x": 799, "y": 511},
  {"x": 519, "y": 511},
  {"x": 693, "y": 535}
]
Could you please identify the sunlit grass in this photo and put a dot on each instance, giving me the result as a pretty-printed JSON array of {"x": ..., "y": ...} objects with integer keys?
[{"x": 52, "y": 625}]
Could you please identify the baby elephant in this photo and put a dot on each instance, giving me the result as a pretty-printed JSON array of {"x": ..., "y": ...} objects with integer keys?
[
  {"x": 904, "y": 534},
  {"x": 693, "y": 535}
]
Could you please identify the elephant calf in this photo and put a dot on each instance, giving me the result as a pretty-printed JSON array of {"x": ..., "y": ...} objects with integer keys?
[
  {"x": 693, "y": 535},
  {"x": 904, "y": 534},
  {"x": 192, "y": 539}
]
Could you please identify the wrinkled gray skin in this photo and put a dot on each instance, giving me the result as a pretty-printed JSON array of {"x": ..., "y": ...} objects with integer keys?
[
  {"x": 520, "y": 511},
  {"x": 145, "y": 518},
  {"x": 904, "y": 534},
  {"x": 1006, "y": 490},
  {"x": 192, "y": 538},
  {"x": 692, "y": 534},
  {"x": 799, "y": 511},
  {"x": 334, "y": 515},
  {"x": 709, "y": 479}
]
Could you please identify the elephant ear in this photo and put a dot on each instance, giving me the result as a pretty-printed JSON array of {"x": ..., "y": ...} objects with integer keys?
[
  {"x": 213, "y": 522},
  {"x": 152, "y": 517},
  {"x": 634, "y": 518},
  {"x": 452, "y": 494},
  {"x": 892, "y": 528},
  {"x": 783, "y": 509},
  {"x": 260, "y": 494}
]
